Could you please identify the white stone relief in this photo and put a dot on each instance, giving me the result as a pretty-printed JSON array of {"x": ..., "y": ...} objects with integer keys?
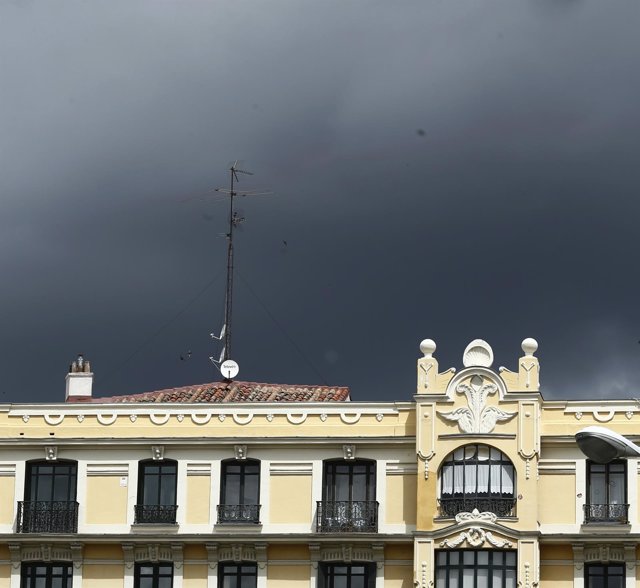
[
  {"x": 270, "y": 417},
  {"x": 323, "y": 417},
  {"x": 350, "y": 419},
  {"x": 476, "y": 515},
  {"x": 80, "y": 418},
  {"x": 25, "y": 418},
  {"x": 475, "y": 537},
  {"x": 242, "y": 420},
  {"x": 379, "y": 417},
  {"x": 296, "y": 419},
  {"x": 107, "y": 420},
  {"x": 202, "y": 419},
  {"x": 162, "y": 419},
  {"x": 180, "y": 417},
  {"x": 53, "y": 420},
  {"x": 50, "y": 452},
  {"x": 477, "y": 417},
  {"x": 133, "y": 418}
]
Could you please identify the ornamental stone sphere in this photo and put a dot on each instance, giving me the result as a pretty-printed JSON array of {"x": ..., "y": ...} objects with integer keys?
[
  {"x": 529, "y": 346},
  {"x": 428, "y": 346}
]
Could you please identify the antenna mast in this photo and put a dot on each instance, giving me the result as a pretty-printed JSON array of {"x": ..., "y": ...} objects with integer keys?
[{"x": 227, "y": 366}]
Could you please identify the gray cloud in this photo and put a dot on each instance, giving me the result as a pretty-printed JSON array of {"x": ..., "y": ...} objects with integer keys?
[{"x": 511, "y": 213}]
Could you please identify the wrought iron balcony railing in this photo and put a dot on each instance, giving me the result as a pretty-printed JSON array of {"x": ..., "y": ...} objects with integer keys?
[
  {"x": 239, "y": 514},
  {"x": 47, "y": 517},
  {"x": 155, "y": 514},
  {"x": 358, "y": 516},
  {"x": 606, "y": 513},
  {"x": 502, "y": 507}
]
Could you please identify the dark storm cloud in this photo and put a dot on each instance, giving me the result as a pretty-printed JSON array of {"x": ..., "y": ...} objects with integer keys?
[{"x": 443, "y": 169}]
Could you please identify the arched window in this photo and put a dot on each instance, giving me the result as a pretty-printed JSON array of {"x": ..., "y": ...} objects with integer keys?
[{"x": 477, "y": 476}]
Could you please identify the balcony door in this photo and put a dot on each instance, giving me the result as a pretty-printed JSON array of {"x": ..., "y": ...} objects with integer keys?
[
  {"x": 157, "y": 484},
  {"x": 348, "y": 496},
  {"x": 50, "y": 498},
  {"x": 607, "y": 492},
  {"x": 240, "y": 491}
]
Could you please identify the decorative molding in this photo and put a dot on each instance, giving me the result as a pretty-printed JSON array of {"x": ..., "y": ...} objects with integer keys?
[
  {"x": 426, "y": 459},
  {"x": 269, "y": 417},
  {"x": 107, "y": 469},
  {"x": 159, "y": 420},
  {"x": 350, "y": 419},
  {"x": 477, "y": 417},
  {"x": 323, "y": 417},
  {"x": 129, "y": 559},
  {"x": 242, "y": 420},
  {"x": 349, "y": 451},
  {"x": 176, "y": 555},
  {"x": 604, "y": 553},
  {"x": 379, "y": 417},
  {"x": 475, "y": 537},
  {"x": 401, "y": 469},
  {"x": 180, "y": 417},
  {"x": 15, "y": 554},
  {"x": 106, "y": 419},
  {"x": 476, "y": 515},
  {"x": 198, "y": 469},
  {"x": 296, "y": 419},
  {"x": 557, "y": 466},
  {"x": 157, "y": 452},
  {"x": 133, "y": 417},
  {"x": 212, "y": 555},
  {"x": 291, "y": 468},
  {"x": 46, "y": 552},
  {"x": 202, "y": 419},
  {"x": 240, "y": 451},
  {"x": 221, "y": 417},
  {"x": 80, "y": 418},
  {"x": 347, "y": 552},
  {"x": 25, "y": 418},
  {"x": 236, "y": 552},
  {"x": 50, "y": 452},
  {"x": 53, "y": 420},
  {"x": 76, "y": 555},
  {"x": 7, "y": 469}
]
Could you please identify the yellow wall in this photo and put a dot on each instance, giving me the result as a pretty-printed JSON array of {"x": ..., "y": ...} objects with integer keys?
[
  {"x": 288, "y": 576},
  {"x": 401, "y": 499},
  {"x": 106, "y": 500},
  {"x": 7, "y": 499},
  {"x": 398, "y": 576},
  {"x": 290, "y": 499},
  {"x": 195, "y": 576},
  {"x": 557, "y": 499},
  {"x": 102, "y": 576},
  {"x": 5, "y": 576},
  {"x": 198, "y": 499},
  {"x": 556, "y": 576},
  {"x": 280, "y": 551}
]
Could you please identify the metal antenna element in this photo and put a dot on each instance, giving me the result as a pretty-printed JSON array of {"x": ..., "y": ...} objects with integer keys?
[{"x": 235, "y": 220}]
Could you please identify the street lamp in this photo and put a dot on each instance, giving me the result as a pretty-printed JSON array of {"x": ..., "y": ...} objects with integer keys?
[{"x": 603, "y": 445}]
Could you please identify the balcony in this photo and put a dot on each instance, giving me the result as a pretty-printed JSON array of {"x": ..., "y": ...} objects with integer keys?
[
  {"x": 239, "y": 514},
  {"x": 606, "y": 513},
  {"x": 47, "y": 517},
  {"x": 155, "y": 514},
  {"x": 347, "y": 516},
  {"x": 501, "y": 507}
]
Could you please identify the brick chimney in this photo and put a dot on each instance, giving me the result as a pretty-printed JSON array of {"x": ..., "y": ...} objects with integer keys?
[{"x": 79, "y": 381}]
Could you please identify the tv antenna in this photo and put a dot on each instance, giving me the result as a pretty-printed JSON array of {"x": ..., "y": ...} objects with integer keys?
[{"x": 229, "y": 368}]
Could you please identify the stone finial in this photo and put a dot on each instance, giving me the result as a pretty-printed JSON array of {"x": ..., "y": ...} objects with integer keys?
[
  {"x": 428, "y": 347},
  {"x": 80, "y": 366},
  {"x": 529, "y": 346}
]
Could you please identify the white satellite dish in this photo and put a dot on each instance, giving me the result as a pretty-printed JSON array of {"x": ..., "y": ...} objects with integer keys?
[{"x": 229, "y": 369}]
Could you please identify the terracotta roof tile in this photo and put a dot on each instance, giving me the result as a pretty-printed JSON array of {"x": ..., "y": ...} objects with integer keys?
[{"x": 217, "y": 392}]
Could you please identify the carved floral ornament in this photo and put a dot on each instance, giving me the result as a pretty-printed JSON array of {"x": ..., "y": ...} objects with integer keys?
[
  {"x": 475, "y": 535},
  {"x": 477, "y": 417}
]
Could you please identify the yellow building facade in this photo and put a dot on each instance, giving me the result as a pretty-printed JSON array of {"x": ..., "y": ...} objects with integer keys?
[{"x": 474, "y": 481}]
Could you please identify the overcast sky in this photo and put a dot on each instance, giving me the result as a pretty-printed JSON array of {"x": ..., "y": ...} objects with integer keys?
[{"x": 448, "y": 169}]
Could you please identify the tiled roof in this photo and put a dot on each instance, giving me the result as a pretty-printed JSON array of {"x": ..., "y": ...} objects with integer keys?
[{"x": 237, "y": 392}]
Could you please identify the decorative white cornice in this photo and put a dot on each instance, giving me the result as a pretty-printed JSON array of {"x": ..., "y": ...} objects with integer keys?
[
  {"x": 476, "y": 516},
  {"x": 107, "y": 469},
  {"x": 475, "y": 537}
]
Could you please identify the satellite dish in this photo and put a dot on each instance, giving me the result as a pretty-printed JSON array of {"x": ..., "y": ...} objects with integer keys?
[
  {"x": 229, "y": 369},
  {"x": 603, "y": 445}
]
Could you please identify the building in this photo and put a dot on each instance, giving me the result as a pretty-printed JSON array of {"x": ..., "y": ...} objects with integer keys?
[{"x": 473, "y": 482}]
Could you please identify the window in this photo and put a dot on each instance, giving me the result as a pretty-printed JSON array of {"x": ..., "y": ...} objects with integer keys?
[
  {"x": 46, "y": 575},
  {"x": 240, "y": 492},
  {"x": 348, "y": 497},
  {"x": 157, "y": 492},
  {"x": 244, "y": 575},
  {"x": 466, "y": 568},
  {"x": 477, "y": 476},
  {"x": 50, "y": 498},
  {"x": 606, "y": 493},
  {"x": 604, "y": 576},
  {"x": 153, "y": 575},
  {"x": 341, "y": 575}
]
